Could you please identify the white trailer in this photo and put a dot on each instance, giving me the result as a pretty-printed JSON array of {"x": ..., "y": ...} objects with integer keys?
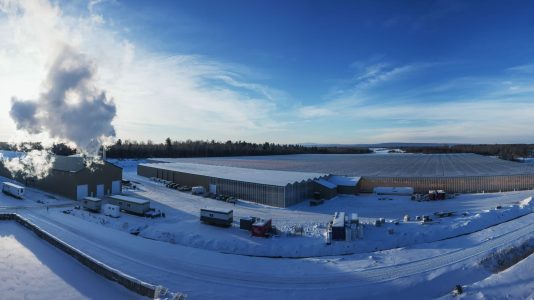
[
  {"x": 130, "y": 204},
  {"x": 13, "y": 189},
  {"x": 219, "y": 217},
  {"x": 400, "y": 191},
  {"x": 111, "y": 210},
  {"x": 92, "y": 203},
  {"x": 197, "y": 190}
]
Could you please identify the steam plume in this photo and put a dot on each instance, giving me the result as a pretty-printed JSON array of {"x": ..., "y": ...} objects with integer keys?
[{"x": 72, "y": 108}]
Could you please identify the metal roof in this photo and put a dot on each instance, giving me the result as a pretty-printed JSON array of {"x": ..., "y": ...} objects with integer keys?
[
  {"x": 68, "y": 163},
  {"x": 326, "y": 183},
  {"x": 376, "y": 165},
  {"x": 269, "y": 177}
]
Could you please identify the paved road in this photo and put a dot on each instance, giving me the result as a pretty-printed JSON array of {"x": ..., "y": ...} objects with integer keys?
[{"x": 172, "y": 270}]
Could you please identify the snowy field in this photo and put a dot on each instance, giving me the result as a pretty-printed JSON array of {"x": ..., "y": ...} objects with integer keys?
[
  {"x": 516, "y": 282},
  {"x": 30, "y": 268}
]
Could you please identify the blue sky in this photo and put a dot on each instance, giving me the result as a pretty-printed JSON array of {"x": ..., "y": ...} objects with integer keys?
[{"x": 313, "y": 71}]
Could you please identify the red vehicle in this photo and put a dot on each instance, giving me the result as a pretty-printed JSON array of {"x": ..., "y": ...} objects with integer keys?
[{"x": 262, "y": 228}]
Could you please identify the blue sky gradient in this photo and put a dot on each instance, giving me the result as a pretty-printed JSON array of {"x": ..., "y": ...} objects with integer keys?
[{"x": 337, "y": 71}]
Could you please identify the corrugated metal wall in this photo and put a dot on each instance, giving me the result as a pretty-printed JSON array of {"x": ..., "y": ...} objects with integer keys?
[{"x": 473, "y": 184}]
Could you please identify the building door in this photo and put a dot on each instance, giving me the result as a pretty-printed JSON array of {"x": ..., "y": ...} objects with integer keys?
[
  {"x": 116, "y": 187},
  {"x": 213, "y": 188},
  {"x": 82, "y": 191},
  {"x": 100, "y": 190}
]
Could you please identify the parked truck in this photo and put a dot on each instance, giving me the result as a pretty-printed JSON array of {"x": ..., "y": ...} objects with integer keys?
[
  {"x": 197, "y": 190},
  {"x": 13, "y": 189}
]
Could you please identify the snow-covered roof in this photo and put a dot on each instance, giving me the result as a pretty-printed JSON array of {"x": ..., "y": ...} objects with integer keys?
[
  {"x": 68, "y": 163},
  {"x": 343, "y": 180},
  {"x": 130, "y": 199},
  {"x": 374, "y": 165},
  {"x": 269, "y": 177},
  {"x": 13, "y": 185},
  {"x": 339, "y": 219},
  {"x": 94, "y": 199},
  {"x": 326, "y": 183}
]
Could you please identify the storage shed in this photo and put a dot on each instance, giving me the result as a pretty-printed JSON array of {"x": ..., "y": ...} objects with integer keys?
[
  {"x": 218, "y": 217},
  {"x": 338, "y": 226},
  {"x": 92, "y": 203},
  {"x": 130, "y": 204}
]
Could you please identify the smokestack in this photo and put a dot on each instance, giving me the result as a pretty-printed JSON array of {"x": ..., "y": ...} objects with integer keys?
[{"x": 103, "y": 153}]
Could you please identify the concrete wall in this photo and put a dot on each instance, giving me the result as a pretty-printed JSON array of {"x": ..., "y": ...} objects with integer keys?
[
  {"x": 131, "y": 283},
  {"x": 474, "y": 184}
]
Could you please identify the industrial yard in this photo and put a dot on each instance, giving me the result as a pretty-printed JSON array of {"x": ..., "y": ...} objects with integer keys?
[{"x": 402, "y": 246}]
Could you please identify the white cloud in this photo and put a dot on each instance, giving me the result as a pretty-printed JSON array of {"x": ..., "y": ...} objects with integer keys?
[{"x": 182, "y": 96}]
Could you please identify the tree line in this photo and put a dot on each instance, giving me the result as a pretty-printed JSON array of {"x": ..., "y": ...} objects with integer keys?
[
  {"x": 504, "y": 151},
  {"x": 190, "y": 148}
]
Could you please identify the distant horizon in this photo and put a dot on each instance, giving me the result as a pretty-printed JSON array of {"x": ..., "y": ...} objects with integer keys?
[{"x": 325, "y": 72}]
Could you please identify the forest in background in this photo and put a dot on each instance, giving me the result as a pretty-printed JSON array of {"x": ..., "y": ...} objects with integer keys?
[
  {"x": 189, "y": 148},
  {"x": 504, "y": 151}
]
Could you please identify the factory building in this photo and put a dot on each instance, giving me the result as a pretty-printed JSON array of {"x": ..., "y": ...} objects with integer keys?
[
  {"x": 274, "y": 188},
  {"x": 71, "y": 178}
]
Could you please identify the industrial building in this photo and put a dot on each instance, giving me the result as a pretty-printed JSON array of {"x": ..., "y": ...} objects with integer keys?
[
  {"x": 453, "y": 173},
  {"x": 71, "y": 178},
  {"x": 275, "y": 188}
]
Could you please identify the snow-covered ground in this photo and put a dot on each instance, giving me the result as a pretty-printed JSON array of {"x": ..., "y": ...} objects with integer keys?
[
  {"x": 516, "y": 282},
  {"x": 30, "y": 268},
  {"x": 181, "y": 226},
  {"x": 206, "y": 262}
]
